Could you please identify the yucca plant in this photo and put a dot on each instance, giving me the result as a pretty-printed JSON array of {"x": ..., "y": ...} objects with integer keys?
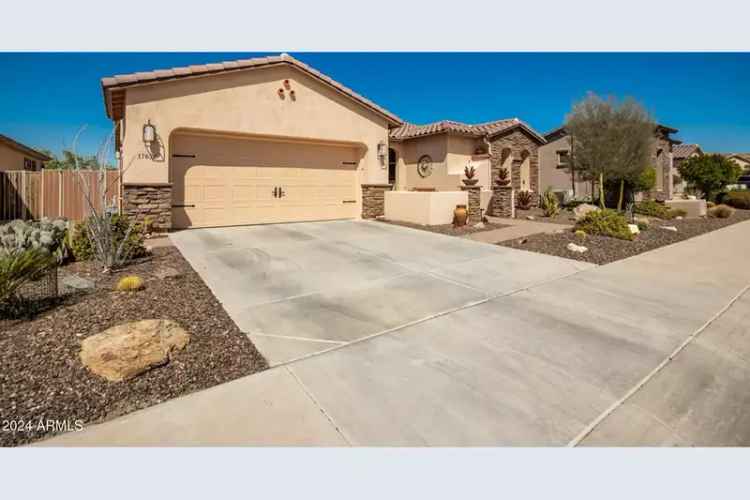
[
  {"x": 524, "y": 199},
  {"x": 19, "y": 267},
  {"x": 550, "y": 203}
]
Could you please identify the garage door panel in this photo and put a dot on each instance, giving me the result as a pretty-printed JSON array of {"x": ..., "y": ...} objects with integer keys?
[{"x": 232, "y": 181}]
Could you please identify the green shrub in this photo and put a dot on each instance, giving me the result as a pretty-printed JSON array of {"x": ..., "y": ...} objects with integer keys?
[
  {"x": 710, "y": 204},
  {"x": 721, "y": 212},
  {"x": 646, "y": 181},
  {"x": 82, "y": 246},
  {"x": 550, "y": 203},
  {"x": 20, "y": 266},
  {"x": 605, "y": 222},
  {"x": 655, "y": 209},
  {"x": 738, "y": 199}
]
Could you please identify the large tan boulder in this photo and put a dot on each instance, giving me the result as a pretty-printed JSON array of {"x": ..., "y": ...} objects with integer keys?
[
  {"x": 584, "y": 208},
  {"x": 124, "y": 351}
]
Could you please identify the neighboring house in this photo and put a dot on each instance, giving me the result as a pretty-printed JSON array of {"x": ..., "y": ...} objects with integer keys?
[
  {"x": 554, "y": 164},
  {"x": 741, "y": 159},
  {"x": 680, "y": 153},
  {"x": 273, "y": 140},
  {"x": 16, "y": 156},
  {"x": 434, "y": 156}
]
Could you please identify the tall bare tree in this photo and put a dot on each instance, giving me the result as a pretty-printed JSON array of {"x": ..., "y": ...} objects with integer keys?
[
  {"x": 610, "y": 140},
  {"x": 109, "y": 247}
]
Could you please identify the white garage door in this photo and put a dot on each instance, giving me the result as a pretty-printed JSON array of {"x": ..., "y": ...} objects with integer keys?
[{"x": 221, "y": 181}]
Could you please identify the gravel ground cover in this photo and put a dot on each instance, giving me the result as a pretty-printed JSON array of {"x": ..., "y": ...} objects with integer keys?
[
  {"x": 448, "y": 229},
  {"x": 603, "y": 250},
  {"x": 564, "y": 217},
  {"x": 43, "y": 378}
]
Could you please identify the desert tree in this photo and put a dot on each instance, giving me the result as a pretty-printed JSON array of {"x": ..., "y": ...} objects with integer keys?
[
  {"x": 709, "y": 173},
  {"x": 611, "y": 141},
  {"x": 109, "y": 246}
]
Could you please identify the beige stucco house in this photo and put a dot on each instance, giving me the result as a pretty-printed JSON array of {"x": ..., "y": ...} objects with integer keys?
[
  {"x": 434, "y": 156},
  {"x": 741, "y": 159},
  {"x": 555, "y": 172},
  {"x": 273, "y": 140},
  {"x": 17, "y": 156}
]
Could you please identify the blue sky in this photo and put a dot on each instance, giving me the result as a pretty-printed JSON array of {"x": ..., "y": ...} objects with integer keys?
[{"x": 46, "y": 97}]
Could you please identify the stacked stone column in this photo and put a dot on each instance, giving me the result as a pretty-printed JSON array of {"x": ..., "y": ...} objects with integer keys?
[
  {"x": 373, "y": 200},
  {"x": 503, "y": 201},
  {"x": 153, "y": 201},
  {"x": 473, "y": 208}
]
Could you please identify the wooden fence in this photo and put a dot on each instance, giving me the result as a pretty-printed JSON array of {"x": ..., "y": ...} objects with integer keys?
[{"x": 54, "y": 193}]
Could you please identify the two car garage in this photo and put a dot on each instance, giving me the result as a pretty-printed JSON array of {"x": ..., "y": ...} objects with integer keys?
[{"x": 223, "y": 181}]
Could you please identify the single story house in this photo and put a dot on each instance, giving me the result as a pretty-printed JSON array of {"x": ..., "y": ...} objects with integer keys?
[
  {"x": 271, "y": 139},
  {"x": 741, "y": 159},
  {"x": 434, "y": 156},
  {"x": 555, "y": 171},
  {"x": 17, "y": 156}
]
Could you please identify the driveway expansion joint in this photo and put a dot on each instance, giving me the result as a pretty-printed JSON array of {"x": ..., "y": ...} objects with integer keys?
[
  {"x": 642, "y": 383},
  {"x": 327, "y": 415}
]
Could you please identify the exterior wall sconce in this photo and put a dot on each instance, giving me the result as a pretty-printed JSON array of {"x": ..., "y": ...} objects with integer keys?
[
  {"x": 382, "y": 150},
  {"x": 149, "y": 133}
]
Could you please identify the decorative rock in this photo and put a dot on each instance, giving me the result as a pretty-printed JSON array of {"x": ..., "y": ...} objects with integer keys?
[
  {"x": 167, "y": 272},
  {"x": 581, "y": 210},
  {"x": 479, "y": 225},
  {"x": 679, "y": 217},
  {"x": 77, "y": 283},
  {"x": 634, "y": 228},
  {"x": 530, "y": 217},
  {"x": 577, "y": 248},
  {"x": 669, "y": 228},
  {"x": 124, "y": 351}
]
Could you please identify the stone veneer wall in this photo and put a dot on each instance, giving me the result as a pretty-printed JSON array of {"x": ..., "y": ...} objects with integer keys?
[
  {"x": 517, "y": 141},
  {"x": 373, "y": 200},
  {"x": 149, "y": 200},
  {"x": 473, "y": 209},
  {"x": 503, "y": 201},
  {"x": 667, "y": 192}
]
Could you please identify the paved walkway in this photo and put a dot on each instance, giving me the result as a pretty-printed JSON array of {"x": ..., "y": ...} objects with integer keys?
[
  {"x": 650, "y": 350},
  {"x": 519, "y": 228}
]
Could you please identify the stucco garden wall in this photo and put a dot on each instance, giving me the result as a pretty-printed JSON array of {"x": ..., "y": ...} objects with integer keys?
[{"x": 426, "y": 208}]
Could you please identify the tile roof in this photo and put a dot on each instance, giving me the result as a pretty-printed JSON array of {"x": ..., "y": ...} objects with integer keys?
[
  {"x": 681, "y": 151},
  {"x": 12, "y": 143},
  {"x": 411, "y": 131},
  {"x": 117, "y": 82},
  {"x": 742, "y": 156}
]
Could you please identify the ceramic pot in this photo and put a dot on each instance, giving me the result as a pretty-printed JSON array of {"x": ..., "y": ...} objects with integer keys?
[
  {"x": 470, "y": 182},
  {"x": 460, "y": 215}
]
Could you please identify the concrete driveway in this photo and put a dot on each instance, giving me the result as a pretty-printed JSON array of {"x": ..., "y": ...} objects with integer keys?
[
  {"x": 299, "y": 289},
  {"x": 523, "y": 350}
]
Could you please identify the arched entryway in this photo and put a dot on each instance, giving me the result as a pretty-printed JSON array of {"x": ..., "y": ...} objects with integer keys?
[{"x": 392, "y": 158}]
